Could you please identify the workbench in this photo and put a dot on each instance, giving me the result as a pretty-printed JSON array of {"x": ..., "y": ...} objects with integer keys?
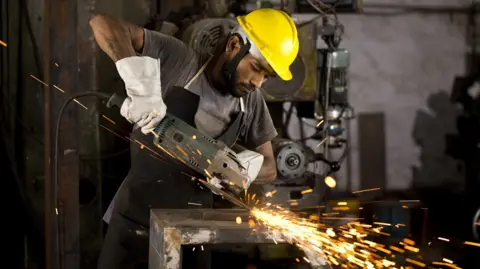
[{"x": 170, "y": 229}]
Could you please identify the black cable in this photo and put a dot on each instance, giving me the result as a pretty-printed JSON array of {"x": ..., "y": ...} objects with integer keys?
[
  {"x": 102, "y": 156},
  {"x": 103, "y": 96}
]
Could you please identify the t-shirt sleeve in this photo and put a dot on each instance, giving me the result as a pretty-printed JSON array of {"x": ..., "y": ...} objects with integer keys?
[
  {"x": 156, "y": 43},
  {"x": 176, "y": 58},
  {"x": 260, "y": 127}
]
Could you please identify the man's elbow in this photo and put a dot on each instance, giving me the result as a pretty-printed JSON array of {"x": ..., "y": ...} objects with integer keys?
[
  {"x": 97, "y": 20},
  {"x": 94, "y": 19},
  {"x": 273, "y": 176}
]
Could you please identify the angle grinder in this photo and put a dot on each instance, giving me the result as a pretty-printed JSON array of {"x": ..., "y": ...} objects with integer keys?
[{"x": 198, "y": 151}]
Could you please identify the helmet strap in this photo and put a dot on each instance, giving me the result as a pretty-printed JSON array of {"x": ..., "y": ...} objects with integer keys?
[{"x": 229, "y": 67}]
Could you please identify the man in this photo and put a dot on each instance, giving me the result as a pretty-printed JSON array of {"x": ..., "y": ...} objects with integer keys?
[{"x": 216, "y": 94}]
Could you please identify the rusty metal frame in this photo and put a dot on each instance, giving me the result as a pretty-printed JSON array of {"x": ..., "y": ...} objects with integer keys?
[{"x": 172, "y": 228}]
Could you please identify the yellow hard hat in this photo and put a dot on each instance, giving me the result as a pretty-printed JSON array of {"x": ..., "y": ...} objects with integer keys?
[{"x": 274, "y": 34}]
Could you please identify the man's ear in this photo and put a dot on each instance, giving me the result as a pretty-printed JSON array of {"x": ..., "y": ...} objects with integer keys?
[{"x": 233, "y": 44}]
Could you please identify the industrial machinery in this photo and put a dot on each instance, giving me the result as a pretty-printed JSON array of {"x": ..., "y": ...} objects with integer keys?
[
  {"x": 302, "y": 182},
  {"x": 204, "y": 35},
  {"x": 293, "y": 159},
  {"x": 343, "y": 6},
  {"x": 295, "y": 180},
  {"x": 332, "y": 106}
]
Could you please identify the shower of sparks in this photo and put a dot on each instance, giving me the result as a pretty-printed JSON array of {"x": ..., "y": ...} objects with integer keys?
[
  {"x": 58, "y": 88},
  {"x": 347, "y": 245},
  {"x": 107, "y": 118},
  {"x": 444, "y": 239},
  {"x": 3, "y": 43},
  {"x": 366, "y": 190},
  {"x": 472, "y": 244},
  {"x": 330, "y": 181},
  {"x": 37, "y": 79}
]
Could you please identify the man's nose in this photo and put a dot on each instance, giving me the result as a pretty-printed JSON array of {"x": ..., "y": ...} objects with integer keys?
[{"x": 257, "y": 80}]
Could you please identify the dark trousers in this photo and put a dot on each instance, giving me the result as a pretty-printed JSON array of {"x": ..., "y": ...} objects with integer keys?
[{"x": 125, "y": 245}]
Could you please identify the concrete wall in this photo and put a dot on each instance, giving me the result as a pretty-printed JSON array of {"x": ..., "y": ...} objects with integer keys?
[{"x": 403, "y": 64}]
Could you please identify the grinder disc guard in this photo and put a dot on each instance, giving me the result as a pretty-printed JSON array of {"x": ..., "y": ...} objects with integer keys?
[{"x": 225, "y": 194}]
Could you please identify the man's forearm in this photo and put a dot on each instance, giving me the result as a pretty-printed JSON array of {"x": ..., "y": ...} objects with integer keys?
[
  {"x": 118, "y": 39},
  {"x": 268, "y": 172}
]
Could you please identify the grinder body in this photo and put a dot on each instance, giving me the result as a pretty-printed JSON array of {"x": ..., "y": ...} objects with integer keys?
[{"x": 198, "y": 151}]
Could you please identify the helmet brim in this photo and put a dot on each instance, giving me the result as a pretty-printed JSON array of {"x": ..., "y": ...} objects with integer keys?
[{"x": 283, "y": 74}]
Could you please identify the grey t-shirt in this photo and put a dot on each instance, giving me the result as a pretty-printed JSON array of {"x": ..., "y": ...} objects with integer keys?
[{"x": 179, "y": 64}]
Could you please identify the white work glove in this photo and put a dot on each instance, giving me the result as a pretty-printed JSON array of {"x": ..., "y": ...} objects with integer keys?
[
  {"x": 144, "y": 105},
  {"x": 252, "y": 161}
]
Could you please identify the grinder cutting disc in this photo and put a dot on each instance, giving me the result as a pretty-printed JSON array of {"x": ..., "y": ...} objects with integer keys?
[{"x": 225, "y": 194}]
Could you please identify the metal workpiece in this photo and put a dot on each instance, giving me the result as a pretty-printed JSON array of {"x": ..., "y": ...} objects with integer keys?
[{"x": 172, "y": 228}]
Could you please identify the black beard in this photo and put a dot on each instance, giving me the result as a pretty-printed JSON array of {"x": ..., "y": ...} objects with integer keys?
[
  {"x": 230, "y": 86},
  {"x": 235, "y": 89}
]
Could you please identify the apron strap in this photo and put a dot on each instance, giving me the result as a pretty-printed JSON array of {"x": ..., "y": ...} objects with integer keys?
[{"x": 200, "y": 71}]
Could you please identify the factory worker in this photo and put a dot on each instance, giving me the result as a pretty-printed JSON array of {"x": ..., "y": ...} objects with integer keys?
[{"x": 216, "y": 94}]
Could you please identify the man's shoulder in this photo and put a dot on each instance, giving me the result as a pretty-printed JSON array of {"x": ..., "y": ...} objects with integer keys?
[
  {"x": 159, "y": 45},
  {"x": 179, "y": 62}
]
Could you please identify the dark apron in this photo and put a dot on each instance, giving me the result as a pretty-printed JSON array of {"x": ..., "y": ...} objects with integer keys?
[{"x": 156, "y": 180}]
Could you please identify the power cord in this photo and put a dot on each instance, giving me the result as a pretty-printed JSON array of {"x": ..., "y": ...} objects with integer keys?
[{"x": 102, "y": 96}]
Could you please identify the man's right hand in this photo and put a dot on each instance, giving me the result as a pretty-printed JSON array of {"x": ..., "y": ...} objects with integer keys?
[{"x": 144, "y": 105}]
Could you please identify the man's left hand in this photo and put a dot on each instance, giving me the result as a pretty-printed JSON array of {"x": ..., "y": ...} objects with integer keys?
[{"x": 252, "y": 161}]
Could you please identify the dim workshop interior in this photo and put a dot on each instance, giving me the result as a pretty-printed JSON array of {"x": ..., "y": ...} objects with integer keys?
[{"x": 373, "y": 151}]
